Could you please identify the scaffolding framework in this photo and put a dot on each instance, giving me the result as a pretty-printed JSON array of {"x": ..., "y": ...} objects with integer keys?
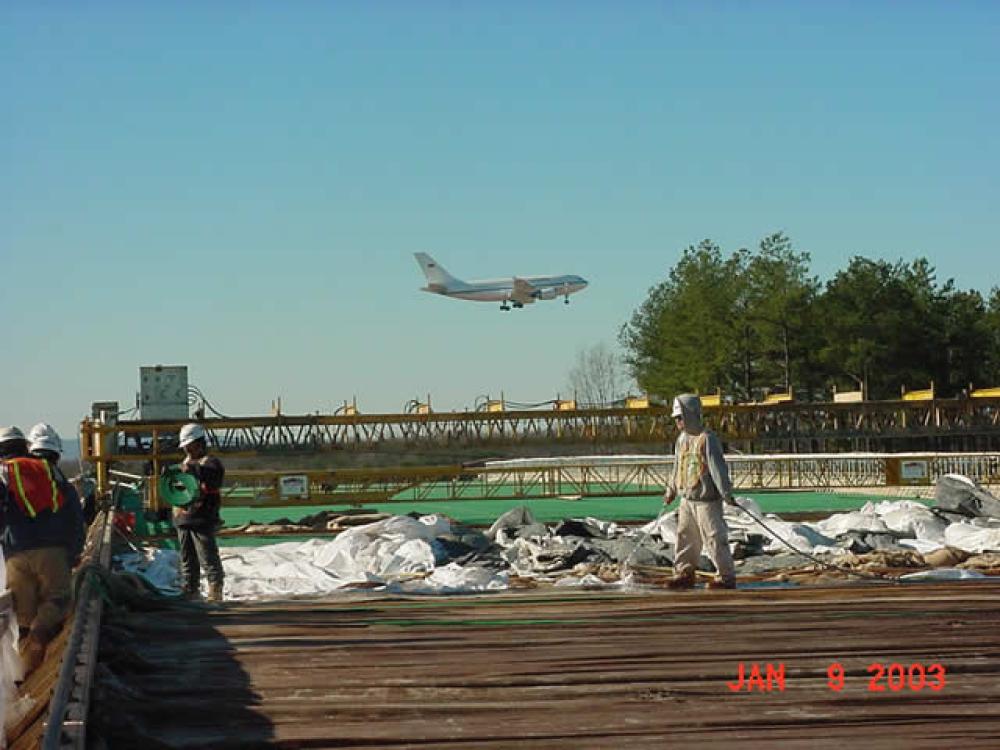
[
  {"x": 756, "y": 428},
  {"x": 592, "y": 476},
  {"x": 957, "y": 425}
]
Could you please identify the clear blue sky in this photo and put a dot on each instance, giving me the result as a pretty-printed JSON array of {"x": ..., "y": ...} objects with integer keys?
[{"x": 240, "y": 186}]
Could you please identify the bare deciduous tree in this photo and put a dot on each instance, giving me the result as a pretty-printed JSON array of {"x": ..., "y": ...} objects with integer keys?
[{"x": 598, "y": 376}]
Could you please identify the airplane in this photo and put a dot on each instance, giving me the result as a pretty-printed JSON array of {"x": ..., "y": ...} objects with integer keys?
[{"x": 515, "y": 292}]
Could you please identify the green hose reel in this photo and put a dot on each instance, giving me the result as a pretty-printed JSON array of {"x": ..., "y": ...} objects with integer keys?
[{"x": 177, "y": 487}]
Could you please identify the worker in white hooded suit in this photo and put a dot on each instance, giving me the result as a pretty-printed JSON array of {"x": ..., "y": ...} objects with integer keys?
[{"x": 701, "y": 480}]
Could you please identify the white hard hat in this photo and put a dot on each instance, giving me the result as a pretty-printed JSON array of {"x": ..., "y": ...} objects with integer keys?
[
  {"x": 8, "y": 434},
  {"x": 190, "y": 433},
  {"x": 43, "y": 437},
  {"x": 677, "y": 411}
]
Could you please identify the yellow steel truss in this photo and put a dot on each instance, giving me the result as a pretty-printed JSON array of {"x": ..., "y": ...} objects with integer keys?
[{"x": 590, "y": 477}]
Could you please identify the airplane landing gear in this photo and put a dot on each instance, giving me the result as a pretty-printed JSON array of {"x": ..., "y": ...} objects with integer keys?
[
  {"x": 504, "y": 307},
  {"x": 566, "y": 301}
]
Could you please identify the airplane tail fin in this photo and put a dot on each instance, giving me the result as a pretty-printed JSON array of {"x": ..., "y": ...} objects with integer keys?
[{"x": 438, "y": 279}]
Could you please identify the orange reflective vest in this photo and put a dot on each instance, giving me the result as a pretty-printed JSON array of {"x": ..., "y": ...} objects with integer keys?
[{"x": 32, "y": 484}]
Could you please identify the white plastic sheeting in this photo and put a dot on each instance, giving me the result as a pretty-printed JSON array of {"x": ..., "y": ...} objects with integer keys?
[
  {"x": 863, "y": 521},
  {"x": 802, "y": 536},
  {"x": 913, "y": 523},
  {"x": 383, "y": 552},
  {"x": 664, "y": 526},
  {"x": 973, "y": 538},
  {"x": 923, "y": 546},
  {"x": 12, "y": 706},
  {"x": 528, "y": 557},
  {"x": 454, "y": 579},
  {"x": 10, "y": 661},
  {"x": 407, "y": 554}
]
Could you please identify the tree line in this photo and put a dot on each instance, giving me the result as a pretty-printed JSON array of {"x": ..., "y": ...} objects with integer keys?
[{"x": 757, "y": 321}]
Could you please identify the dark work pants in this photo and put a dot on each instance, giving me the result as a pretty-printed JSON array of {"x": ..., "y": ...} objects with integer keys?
[{"x": 198, "y": 549}]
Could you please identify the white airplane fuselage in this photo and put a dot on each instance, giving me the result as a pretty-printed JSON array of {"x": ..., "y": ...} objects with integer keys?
[
  {"x": 497, "y": 290},
  {"x": 516, "y": 290}
]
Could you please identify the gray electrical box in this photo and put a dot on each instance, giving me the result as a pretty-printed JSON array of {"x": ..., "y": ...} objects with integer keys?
[
  {"x": 106, "y": 411},
  {"x": 163, "y": 392}
]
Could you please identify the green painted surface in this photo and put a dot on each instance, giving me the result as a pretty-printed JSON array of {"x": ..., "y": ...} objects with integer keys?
[
  {"x": 616, "y": 508},
  {"x": 475, "y": 489},
  {"x": 484, "y": 512}
]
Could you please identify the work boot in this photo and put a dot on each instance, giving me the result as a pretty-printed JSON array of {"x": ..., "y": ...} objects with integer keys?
[
  {"x": 720, "y": 583},
  {"x": 681, "y": 582},
  {"x": 215, "y": 592},
  {"x": 32, "y": 654},
  {"x": 191, "y": 595}
]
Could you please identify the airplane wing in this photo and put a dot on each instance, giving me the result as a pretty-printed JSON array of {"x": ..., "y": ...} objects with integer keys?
[{"x": 524, "y": 291}]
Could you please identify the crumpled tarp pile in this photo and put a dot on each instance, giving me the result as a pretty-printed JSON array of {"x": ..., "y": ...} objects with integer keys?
[{"x": 959, "y": 536}]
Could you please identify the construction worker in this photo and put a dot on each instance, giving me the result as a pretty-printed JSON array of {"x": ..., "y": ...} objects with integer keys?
[
  {"x": 44, "y": 442},
  {"x": 42, "y": 537},
  {"x": 197, "y": 522},
  {"x": 701, "y": 480}
]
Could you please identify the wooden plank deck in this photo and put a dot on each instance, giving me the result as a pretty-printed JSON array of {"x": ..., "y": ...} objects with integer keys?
[{"x": 547, "y": 669}]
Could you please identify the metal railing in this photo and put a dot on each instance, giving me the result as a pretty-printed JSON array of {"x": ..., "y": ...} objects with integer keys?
[
  {"x": 66, "y": 724},
  {"x": 597, "y": 476},
  {"x": 939, "y": 424}
]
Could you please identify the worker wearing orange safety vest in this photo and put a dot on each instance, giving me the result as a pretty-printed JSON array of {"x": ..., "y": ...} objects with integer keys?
[
  {"x": 44, "y": 442},
  {"x": 42, "y": 524}
]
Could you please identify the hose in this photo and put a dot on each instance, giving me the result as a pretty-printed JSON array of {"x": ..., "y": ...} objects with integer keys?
[{"x": 823, "y": 563}]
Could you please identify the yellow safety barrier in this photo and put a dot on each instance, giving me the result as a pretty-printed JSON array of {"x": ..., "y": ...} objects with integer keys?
[
  {"x": 636, "y": 402},
  {"x": 712, "y": 399},
  {"x": 569, "y": 405},
  {"x": 985, "y": 393},
  {"x": 848, "y": 397},
  {"x": 348, "y": 409},
  {"x": 927, "y": 394},
  {"x": 778, "y": 398}
]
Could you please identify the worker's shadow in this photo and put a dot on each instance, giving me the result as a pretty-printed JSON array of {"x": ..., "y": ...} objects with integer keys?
[{"x": 168, "y": 678}]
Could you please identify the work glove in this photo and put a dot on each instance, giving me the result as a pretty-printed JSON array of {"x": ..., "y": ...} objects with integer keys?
[{"x": 730, "y": 500}]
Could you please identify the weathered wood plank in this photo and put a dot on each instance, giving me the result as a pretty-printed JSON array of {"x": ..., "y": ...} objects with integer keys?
[{"x": 550, "y": 669}]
